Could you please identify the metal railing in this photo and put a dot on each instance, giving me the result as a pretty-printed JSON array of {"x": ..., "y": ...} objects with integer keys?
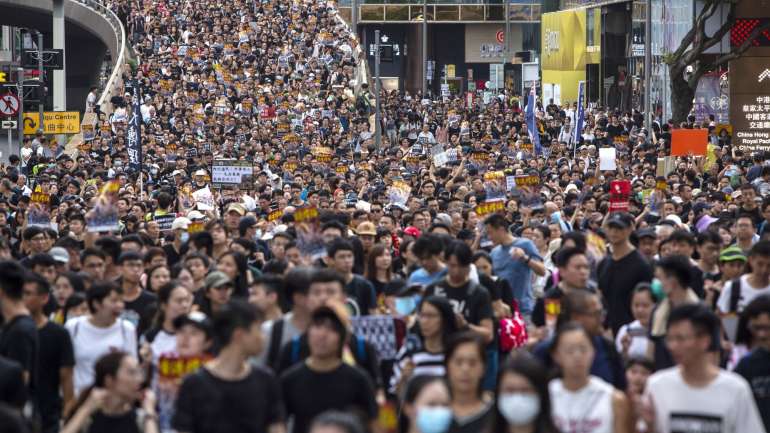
[
  {"x": 114, "y": 82},
  {"x": 362, "y": 65}
]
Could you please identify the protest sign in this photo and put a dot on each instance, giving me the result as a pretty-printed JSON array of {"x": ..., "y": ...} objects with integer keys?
[
  {"x": 490, "y": 207},
  {"x": 204, "y": 199},
  {"x": 527, "y": 180},
  {"x": 620, "y": 191},
  {"x": 399, "y": 192},
  {"x": 164, "y": 221},
  {"x": 230, "y": 173},
  {"x": 685, "y": 142},
  {"x": 38, "y": 213},
  {"x": 305, "y": 213},
  {"x": 607, "y": 157}
]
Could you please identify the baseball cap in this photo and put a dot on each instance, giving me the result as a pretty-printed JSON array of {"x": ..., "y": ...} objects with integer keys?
[
  {"x": 180, "y": 223},
  {"x": 200, "y": 172},
  {"x": 732, "y": 253},
  {"x": 237, "y": 207},
  {"x": 412, "y": 231},
  {"x": 60, "y": 254},
  {"x": 195, "y": 215},
  {"x": 178, "y": 172},
  {"x": 646, "y": 232},
  {"x": 216, "y": 279},
  {"x": 622, "y": 220},
  {"x": 197, "y": 319},
  {"x": 366, "y": 228}
]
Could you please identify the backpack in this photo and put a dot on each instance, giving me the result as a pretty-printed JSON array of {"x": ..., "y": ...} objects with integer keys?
[
  {"x": 274, "y": 347},
  {"x": 513, "y": 330},
  {"x": 735, "y": 294}
]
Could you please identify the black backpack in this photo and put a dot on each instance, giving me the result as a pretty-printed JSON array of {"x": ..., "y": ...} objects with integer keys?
[{"x": 735, "y": 294}]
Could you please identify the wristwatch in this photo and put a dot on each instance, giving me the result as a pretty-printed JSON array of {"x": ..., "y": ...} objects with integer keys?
[{"x": 526, "y": 261}]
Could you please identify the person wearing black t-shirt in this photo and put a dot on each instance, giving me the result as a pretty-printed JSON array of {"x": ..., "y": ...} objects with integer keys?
[
  {"x": 56, "y": 358},
  {"x": 470, "y": 301},
  {"x": 621, "y": 271},
  {"x": 139, "y": 304},
  {"x": 18, "y": 340},
  {"x": 306, "y": 386},
  {"x": 326, "y": 287},
  {"x": 361, "y": 297},
  {"x": 229, "y": 395},
  {"x": 13, "y": 392}
]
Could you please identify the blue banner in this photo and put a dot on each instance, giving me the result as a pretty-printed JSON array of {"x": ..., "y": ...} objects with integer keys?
[
  {"x": 580, "y": 117},
  {"x": 534, "y": 133},
  {"x": 134, "y": 131}
]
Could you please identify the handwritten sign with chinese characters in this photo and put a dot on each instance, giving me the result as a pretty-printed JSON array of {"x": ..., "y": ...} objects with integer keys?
[{"x": 229, "y": 173}]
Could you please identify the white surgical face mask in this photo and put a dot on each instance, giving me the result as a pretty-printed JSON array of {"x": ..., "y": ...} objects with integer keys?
[{"x": 519, "y": 408}]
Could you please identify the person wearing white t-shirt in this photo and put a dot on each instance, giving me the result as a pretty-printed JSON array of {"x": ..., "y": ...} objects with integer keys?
[
  {"x": 100, "y": 332},
  {"x": 696, "y": 395},
  {"x": 752, "y": 285},
  {"x": 580, "y": 402},
  {"x": 632, "y": 339}
]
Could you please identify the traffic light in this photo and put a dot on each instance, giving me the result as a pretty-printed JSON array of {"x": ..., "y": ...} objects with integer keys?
[{"x": 2, "y": 77}]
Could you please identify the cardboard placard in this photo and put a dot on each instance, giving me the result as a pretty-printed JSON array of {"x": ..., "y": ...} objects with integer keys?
[
  {"x": 607, "y": 156},
  {"x": 686, "y": 142},
  {"x": 229, "y": 173},
  {"x": 490, "y": 207},
  {"x": 164, "y": 221},
  {"x": 274, "y": 215},
  {"x": 620, "y": 191},
  {"x": 527, "y": 180},
  {"x": 307, "y": 213}
]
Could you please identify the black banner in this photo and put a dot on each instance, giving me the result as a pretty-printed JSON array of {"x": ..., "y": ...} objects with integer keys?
[{"x": 134, "y": 131}]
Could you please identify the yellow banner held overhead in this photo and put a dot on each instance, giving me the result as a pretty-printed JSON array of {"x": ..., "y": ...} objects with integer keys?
[{"x": 55, "y": 122}]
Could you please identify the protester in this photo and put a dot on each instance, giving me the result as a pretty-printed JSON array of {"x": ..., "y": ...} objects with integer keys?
[
  {"x": 693, "y": 393},
  {"x": 55, "y": 358},
  {"x": 523, "y": 400},
  {"x": 426, "y": 406},
  {"x": 754, "y": 367},
  {"x": 423, "y": 353},
  {"x": 465, "y": 363},
  {"x": 325, "y": 370},
  {"x": 100, "y": 332},
  {"x": 109, "y": 404},
  {"x": 228, "y": 394},
  {"x": 602, "y": 408}
]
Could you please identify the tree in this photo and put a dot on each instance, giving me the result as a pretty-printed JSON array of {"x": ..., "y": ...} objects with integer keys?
[{"x": 691, "y": 53}]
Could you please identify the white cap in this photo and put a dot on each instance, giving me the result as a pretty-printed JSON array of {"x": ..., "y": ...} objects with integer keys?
[{"x": 180, "y": 223}]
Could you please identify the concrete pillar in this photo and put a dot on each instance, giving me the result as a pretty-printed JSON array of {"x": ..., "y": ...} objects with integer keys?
[{"x": 59, "y": 77}]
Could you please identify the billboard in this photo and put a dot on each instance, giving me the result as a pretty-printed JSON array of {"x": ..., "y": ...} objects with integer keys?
[{"x": 750, "y": 102}]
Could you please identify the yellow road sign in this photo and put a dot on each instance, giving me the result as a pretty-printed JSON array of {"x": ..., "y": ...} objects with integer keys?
[{"x": 55, "y": 122}]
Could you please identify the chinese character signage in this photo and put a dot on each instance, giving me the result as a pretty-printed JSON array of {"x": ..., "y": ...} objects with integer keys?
[
  {"x": 750, "y": 103},
  {"x": 228, "y": 173}
]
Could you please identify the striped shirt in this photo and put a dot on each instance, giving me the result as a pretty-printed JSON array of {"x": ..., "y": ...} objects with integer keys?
[{"x": 425, "y": 363}]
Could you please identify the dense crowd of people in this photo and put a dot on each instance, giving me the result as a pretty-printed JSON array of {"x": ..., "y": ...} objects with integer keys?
[{"x": 478, "y": 268}]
